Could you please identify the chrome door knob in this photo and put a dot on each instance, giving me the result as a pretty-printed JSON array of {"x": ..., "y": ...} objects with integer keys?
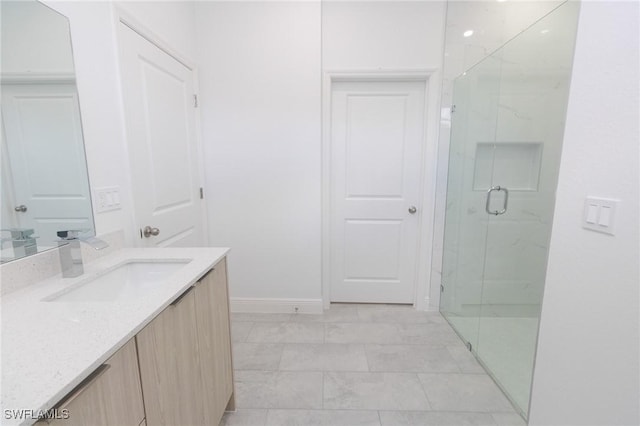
[
  {"x": 413, "y": 210},
  {"x": 149, "y": 231},
  {"x": 21, "y": 208}
]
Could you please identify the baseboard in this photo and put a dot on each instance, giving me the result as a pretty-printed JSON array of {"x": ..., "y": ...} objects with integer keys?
[
  {"x": 428, "y": 307},
  {"x": 276, "y": 306}
]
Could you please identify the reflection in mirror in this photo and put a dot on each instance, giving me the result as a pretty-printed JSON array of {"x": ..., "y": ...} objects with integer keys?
[{"x": 45, "y": 185}]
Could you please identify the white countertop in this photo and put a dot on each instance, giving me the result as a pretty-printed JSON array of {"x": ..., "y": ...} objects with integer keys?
[{"x": 48, "y": 348}]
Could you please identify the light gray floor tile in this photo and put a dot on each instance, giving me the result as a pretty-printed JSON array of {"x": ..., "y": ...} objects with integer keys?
[
  {"x": 362, "y": 333},
  {"x": 411, "y": 358},
  {"x": 323, "y": 357},
  {"x": 373, "y": 391},
  {"x": 240, "y": 331},
  {"x": 467, "y": 363},
  {"x": 336, "y": 313},
  {"x": 247, "y": 417},
  {"x": 322, "y": 418},
  {"x": 434, "y": 418},
  {"x": 257, "y": 356},
  {"x": 286, "y": 332},
  {"x": 251, "y": 317},
  {"x": 397, "y": 314},
  {"x": 464, "y": 392},
  {"x": 508, "y": 419},
  {"x": 427, "y": 334},
  {"x": 278, "y": 389}
]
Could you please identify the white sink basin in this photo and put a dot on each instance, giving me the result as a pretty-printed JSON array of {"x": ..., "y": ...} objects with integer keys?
[{"x": 130, "y": 279}]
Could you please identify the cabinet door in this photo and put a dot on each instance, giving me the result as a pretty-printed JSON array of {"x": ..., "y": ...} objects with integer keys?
[
  {"x": 170, "y": 366},
  {"x": 111, "y": 395},
  {"x": 212, "y": 312}
]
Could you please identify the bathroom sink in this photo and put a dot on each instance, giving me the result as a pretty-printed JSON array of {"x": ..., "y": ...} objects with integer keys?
[{"x": 129, "y": 279}]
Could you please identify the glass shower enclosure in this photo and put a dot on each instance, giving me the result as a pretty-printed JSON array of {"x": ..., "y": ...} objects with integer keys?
[{"x": 506, "y": 137}]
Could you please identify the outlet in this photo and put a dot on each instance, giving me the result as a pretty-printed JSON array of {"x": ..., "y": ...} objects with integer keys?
[{"x": 106, "y": 199}]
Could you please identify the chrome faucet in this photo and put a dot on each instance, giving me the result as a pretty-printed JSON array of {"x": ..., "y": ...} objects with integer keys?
[
  {"x": 22, "y": 240},
  {"x": 71, "y": 254}
]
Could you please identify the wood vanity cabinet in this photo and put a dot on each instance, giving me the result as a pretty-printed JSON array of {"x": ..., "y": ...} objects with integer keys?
[
  {"x": 111, "y": 395},
  {"x": 185, "y": 356}
]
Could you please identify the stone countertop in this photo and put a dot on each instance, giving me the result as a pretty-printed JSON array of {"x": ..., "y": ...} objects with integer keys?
[{"x": 48, "y": 348}]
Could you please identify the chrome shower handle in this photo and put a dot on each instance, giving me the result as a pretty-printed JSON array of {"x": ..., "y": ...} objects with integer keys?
[{"x": 506, "y": 200}]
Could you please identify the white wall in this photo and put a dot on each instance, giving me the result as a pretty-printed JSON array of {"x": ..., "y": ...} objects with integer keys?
[
  {"x": 587, "y": 366},
  {"x": 93, "y": 36},
  {"x": 260, "y": 106},
  {"x": 35, "y": 39},
  {"x": 260, "y": 64}
]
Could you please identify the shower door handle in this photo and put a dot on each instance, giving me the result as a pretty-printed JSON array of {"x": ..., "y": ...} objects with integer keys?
[{"x": 506, "y": 200}]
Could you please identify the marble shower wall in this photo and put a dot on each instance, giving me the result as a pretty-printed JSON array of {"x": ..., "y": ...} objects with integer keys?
[{"x": 515, "y": 117}]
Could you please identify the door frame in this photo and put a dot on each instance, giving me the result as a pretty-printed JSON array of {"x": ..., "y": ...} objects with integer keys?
[
  {"x": 123, "y": 17},
  {"x": 428, "y": 173}
]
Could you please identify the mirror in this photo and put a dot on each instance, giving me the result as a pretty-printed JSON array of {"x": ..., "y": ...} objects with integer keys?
[{"x": 44, "y": 178}]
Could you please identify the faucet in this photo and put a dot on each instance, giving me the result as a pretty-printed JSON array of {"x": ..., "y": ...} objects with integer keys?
[
  {"x": 70, "y": 253},
  {"x": 22, "y": 240}
]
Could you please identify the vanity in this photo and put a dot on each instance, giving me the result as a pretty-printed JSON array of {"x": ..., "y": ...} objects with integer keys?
[{"x": 142, "y": 337}]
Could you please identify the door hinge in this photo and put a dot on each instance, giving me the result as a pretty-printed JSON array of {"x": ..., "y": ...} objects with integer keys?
[
  {"x": 468, "y": 344},
  {"x": 453, "y": 109},
  {"x": 195, "y": 101},
  {"x": 201, "y": 193},
  {"x": 441, "y": 288}
]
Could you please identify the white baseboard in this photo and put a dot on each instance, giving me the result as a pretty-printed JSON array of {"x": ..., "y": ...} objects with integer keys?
[
  {"x": 428, "y": 307},
  {"x": 276, "y": 306}
]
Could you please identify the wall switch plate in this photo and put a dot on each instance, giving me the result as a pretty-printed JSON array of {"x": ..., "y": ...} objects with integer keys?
[
  {"x": 106, "y": 199},
  {"x": 599, "y": 214}
]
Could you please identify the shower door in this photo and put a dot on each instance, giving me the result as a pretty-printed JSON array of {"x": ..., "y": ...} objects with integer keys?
[{"x": 506, "y": 138}]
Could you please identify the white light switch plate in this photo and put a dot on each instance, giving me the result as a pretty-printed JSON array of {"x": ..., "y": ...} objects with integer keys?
[
  {"x": 106, "y": 199},
  {"x": 599, "y": 214}
]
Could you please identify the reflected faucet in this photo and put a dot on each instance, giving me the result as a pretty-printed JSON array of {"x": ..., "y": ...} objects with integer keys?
[
  {"x": 71, "y": 254},
  {"x": 22, "y": 240}
]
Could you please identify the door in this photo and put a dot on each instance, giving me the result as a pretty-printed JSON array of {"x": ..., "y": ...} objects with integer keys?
[
  {"x": 159, "y": 101},
  {"x": 48, "y": 179},
  {"x": 376, "y": 149}
]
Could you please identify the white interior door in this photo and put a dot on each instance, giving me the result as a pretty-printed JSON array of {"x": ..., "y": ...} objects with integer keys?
[
  {"x": 376, "y": 146},
  {"x": 158, "y": 93},
  {"x": 48, "y": 179}
]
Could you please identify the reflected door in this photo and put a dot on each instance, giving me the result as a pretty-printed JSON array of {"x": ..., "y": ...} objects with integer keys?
[
  {"x": 160, "y": 118},
  {"x": 48, "y": 178},
  {"x": 376, "y": 139}
]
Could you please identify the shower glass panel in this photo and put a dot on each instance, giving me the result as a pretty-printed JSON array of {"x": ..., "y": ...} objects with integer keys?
[{"x": 506, "y": 140}]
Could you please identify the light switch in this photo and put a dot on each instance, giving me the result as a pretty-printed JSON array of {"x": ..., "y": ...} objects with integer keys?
[
  {"x": 599, "y": 214},
  {"x": 106, "y": 199},
  {"x": 592, "y": 213}
]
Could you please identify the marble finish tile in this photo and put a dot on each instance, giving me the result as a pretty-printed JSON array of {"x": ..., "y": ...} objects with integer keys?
[
  {"x": 508, "y": 419},
  {"x": 434, "y": 418},
  {"x": 467, "y": 363},
  {"x": 278, "y": 389},
  {"x": 411, "y": 358},
  {"x": 464, "y": 392},
  {"x": 287, "y": 332},
  {"x": 373, "y": 391},
  {"x": 240, "y": 331},
  {"x": 427, "y": 334},
  {"x": 336, "y": 313},
  {"x": 397, "y": 314},
  {"x": 324, "y": 357},
  {"x": 362, "y": 333},
  {"x": 257, "y": 356},
  {"x": 251, "y": 317},
  {"x": 322, "y": 418},
  {"x": 246, "y": 417}
]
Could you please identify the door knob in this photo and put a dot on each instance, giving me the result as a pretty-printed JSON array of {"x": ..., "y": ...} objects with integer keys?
[
  {"x": 413, "y": 210},
  {"x": 21, "y": 208},
  {"x": 149, "y": 231}
]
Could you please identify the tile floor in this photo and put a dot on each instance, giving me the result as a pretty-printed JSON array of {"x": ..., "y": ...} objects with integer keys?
[{"x": 357, "y": 365}]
